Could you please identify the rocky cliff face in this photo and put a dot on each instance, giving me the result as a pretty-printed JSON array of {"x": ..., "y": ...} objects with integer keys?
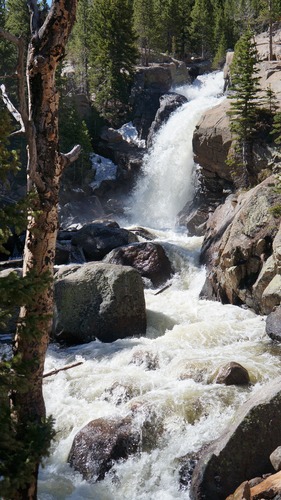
[{"x": 242, "y": 249}]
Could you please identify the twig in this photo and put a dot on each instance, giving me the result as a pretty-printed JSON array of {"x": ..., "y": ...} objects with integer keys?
[
  {"x": 163, "y": 289},
  {"x": 67, "y": 367}
]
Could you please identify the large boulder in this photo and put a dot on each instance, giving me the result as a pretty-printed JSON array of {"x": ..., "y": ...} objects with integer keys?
[
  {"x": 97, "y": 239},
  {"x": 148, "y": 258},
  {"x": 98, "y": 300},
  {"x": 243, "y": 450},
  {"x": 242, "y": 249},
  {"x": 101, "y": 442}
]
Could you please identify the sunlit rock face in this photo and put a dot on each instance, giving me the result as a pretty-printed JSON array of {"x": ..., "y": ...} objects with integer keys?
[
  {"x": 241, "y": 250},
  {"x": 98, "y": 300}
]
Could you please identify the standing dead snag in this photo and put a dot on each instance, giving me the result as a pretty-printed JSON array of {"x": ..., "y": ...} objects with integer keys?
[{"x": 38, "y": 117}]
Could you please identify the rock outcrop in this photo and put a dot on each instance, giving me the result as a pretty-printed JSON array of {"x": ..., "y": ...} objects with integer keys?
[
  {"x": 242, "y": 248},
  {"x": 168, "y": 104},
  {"x": 98, "y": 300},
  {"x": 243, "y": 450},
  {"x": 212, "y": 140}
]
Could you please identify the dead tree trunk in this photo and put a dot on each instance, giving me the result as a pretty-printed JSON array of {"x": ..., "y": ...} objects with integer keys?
[{"x": 39, "y": 118}]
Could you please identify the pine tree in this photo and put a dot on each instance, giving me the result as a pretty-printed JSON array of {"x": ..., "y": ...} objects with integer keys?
[
  {"x": 79, "y": 46},
  {"x": 144, "y": 26},
  {"x": 244, "y": 103},
  {"x": 17, "y": 18},
  {"x": 112, "y": 58},
  {"x": 201, "y": 29}
]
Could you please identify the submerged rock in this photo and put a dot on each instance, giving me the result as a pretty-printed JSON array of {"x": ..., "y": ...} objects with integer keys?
[
  {"x": 101, "y": 442},
  {"x": 149, "y": 259},
  {"x": 98, "y": 300},
  {"x": 232, "y": 374},
  {"x": 244, "y": 448}
]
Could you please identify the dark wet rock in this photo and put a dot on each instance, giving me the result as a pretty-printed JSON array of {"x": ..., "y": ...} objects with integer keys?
[
  {"x": 79, "y": 208},
  {"x": 96, "y": 240},
  {"x": 63, "y": 251},
  {"x": 243, "y": 449},
  {"x": 98, "y": 300},
  {"x": 168, "y": 104},
  {"x": 273, "y": 324},
  {"x": 186, "y": 468},
  {"x": 143, "y": 233},
  {"x": 149, "y": 259},
  {"x": 232, "y": 374},
  {"x": 100, "y": 443}
]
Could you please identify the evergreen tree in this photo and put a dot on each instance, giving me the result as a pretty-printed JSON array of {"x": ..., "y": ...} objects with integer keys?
[
  {"x": 144, "y": 26},
  {"x": 71, "y": 125},
  {"x": 112, "y": 58},
  {"x": 244, "y": 99},
  {"x": 79, "y": 46},
  {"x": 201, "y": 29},
  {"x": 17, "y": 18}
]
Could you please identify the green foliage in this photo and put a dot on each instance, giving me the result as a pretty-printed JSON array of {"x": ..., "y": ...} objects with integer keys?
[
  {"x": 72, "y": 126},
  {"x": 144, "y": 25},
  {"x": 79, "y": 46},
  {"x": 21, "y": 446},
  {"x": 113, "y": 56},
  {"x": 244, "y": 104},
  {"x": 201, "y": 29},
  {"x": 17, "y": 18},
  {"x": 276, "y": 129}
]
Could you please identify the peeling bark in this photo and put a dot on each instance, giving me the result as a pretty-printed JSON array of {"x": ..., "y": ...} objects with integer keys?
[{"x": 39, "y": 119}]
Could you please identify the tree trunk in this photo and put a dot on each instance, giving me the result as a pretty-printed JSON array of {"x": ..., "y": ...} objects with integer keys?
[{"x": 45, "y": 166}]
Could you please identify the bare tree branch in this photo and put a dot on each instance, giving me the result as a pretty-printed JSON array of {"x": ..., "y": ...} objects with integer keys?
[
  {"x": 70, "y": 157},
  {"x": 9, "y": 36},
  {"x": 67, "y": 367},
  {"x": 17, "y": 116},
  {"x": 34, "y": 16}
]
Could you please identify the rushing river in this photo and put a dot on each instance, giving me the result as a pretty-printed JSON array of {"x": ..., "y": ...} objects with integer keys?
[{"x": 187, "y": 341}]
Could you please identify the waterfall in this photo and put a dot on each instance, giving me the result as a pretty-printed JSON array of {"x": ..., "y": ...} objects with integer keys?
[
  {"x": 166, "y": 181},
  {"x": 188, "y": 340}
]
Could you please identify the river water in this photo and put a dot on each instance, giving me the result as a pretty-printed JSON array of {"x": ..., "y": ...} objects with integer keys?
[{"x": 187, "y": 341}]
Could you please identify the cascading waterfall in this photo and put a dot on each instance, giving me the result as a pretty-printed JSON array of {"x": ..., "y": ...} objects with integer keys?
[
  {"x": 187, "y": 341},
  {"x": 166, "y": 182}
]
